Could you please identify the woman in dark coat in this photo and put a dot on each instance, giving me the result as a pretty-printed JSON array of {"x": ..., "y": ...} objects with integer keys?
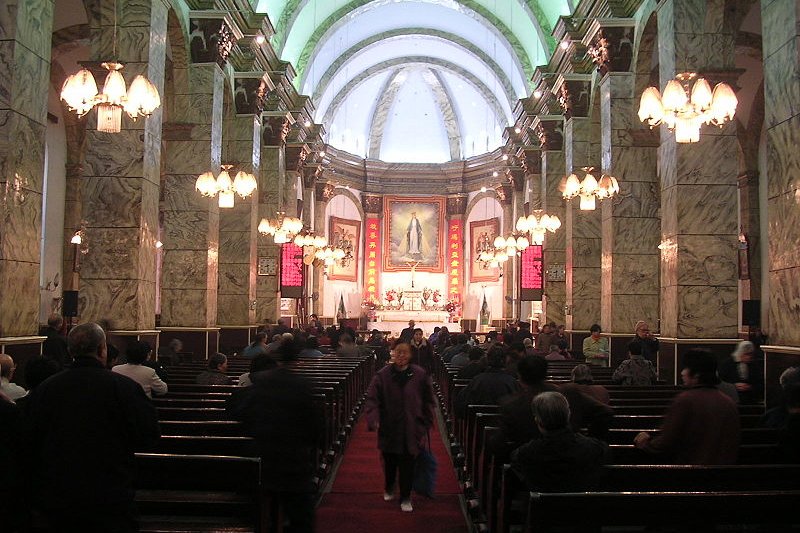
[{"x": 400, "y": 406}]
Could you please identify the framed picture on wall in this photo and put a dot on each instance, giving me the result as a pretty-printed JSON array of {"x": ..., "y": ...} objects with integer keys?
[
  {"x": 481, "y": 238},
  {"x": 414, "y": 234},
  {"x": 345, "y": 234}
]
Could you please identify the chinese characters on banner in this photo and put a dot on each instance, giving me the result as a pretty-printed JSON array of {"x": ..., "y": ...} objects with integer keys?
[
  {"x": 372, "y": 260},
  {"x": 291, "y": 271},
  {"x": 531, "y": 281},
  {"x": 456, "y": 261}
]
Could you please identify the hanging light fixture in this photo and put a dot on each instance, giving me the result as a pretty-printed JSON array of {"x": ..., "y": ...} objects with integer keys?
[
  {"x": 684, "y": 110},
  {"x": 80, "y": 93},
  {"x": 243, "y": 184},
  {"x": 282, "y": 228},
  {"x": 590, "y": 189},
  {"x": 537, "y": 224}
]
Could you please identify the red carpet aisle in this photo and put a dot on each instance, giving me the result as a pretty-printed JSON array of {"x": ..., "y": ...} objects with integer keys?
[{"x": 355, "y": 504}]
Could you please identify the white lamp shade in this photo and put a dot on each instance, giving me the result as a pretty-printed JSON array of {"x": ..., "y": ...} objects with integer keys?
[
  {"x": 244, "y": 184},
  {"x": 224, "y": 182},
  {"x": 723, "y": 104},
  {"x": 511, "y": 242},
  {"x": 587, "y": 202},
  {"x": 320, "y": 241},
  {"x": 522, "y": 224},
  {"x": 499, "y": 242},
  {"x": 143, "y": 98},
  {"x": 206, "y": 184},
  {"x": 80, "y": 91},
  {"x": 650, "y": 108},
  {"x": 674, "y": 96},
  {"x": 523, "y": 243},
  {"x": 114, "y": 91},
  {"x": 264, "y": 227},
  {"x": 226, "y": 199},
  {"x": 701, "y": 94},
  {"x": 687, "y": 130},
  {"x": 589, "y": 184},
  {"x": 572, "y": 187}
]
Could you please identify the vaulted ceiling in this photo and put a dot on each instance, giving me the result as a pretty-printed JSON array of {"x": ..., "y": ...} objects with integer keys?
[{"x": 414, "y": 80}]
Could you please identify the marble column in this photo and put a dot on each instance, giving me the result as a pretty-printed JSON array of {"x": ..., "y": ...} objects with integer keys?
[
  {"x": 271, "y": 186},
  {"x": 631, "y": 226},
  {"x": 781, "y": 22},
  {"x": 24, "y": 83},
  {"x": 121, "y": 182},
  {"x": 506, "y": 197},
  {"x": 191, "y": 222},
  {"x": 699, "y": 226},
  {"x": 75, "y": 127},
  {"x": 549, "y": 128},
  {"x": 582, "y": 233},
  {"x": 322, "y": 194},
  {"x": 531, "y": 161},
  {"x": 238, "y": 237}
]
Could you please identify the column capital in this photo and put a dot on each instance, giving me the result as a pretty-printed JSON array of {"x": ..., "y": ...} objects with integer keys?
[
  {"x": 250, "y": 91},
  {"x": 324, "y": 191},
  {"x": 275, "y": 127},
  {"x": 610, "y": 44},
  {"x": 296, "y": 154},
  {"x": 212, "y": 35},
  {"x": 573, "y": 92},
  {"x": 505, "y": 193},
  {"x": 550, "y": 131},
  {"x": 516, "y": 177},
  {"x": 530, "y": 158},
  {"x": 456, "y": 205},
  {"x": 372, "y": 203}
]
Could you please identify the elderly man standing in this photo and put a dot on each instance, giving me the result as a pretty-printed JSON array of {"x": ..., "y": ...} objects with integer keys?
[
  {"x": 82, "y": 428},
  {"x": 408, "y": 333}
]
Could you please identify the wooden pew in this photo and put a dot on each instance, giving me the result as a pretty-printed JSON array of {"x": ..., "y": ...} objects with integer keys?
[{"x": 200, "y": 493}]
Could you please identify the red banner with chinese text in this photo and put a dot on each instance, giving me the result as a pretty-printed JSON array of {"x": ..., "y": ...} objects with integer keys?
[
  {"x": 372, "y": 260},
  {"x": 456, "y": 260}
]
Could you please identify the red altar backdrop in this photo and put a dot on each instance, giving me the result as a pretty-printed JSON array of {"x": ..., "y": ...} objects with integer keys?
[
  {"x": 531, "y": 280},
  {"x": 372, "y": 260},
  {"x": 291, "y": 271},
  {"x": 456, "y": 265}
]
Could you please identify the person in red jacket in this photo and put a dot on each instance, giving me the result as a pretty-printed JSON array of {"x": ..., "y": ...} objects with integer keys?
[{"x": 701, "y": 427}]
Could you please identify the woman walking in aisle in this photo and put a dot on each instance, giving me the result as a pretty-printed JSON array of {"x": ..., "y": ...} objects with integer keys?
[{"x": 400, "y": 406}]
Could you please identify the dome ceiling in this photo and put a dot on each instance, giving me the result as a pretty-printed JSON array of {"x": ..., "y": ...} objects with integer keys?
[{"x": 414, "y": 80}]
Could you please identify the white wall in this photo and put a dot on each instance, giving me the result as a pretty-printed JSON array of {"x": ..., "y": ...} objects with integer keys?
[
  {"x": 342, "y": 206},
  {"x": 483, "y": 209}
]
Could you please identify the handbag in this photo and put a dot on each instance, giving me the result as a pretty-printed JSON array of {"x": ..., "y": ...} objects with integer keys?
[{"x": 425, "y": 467}]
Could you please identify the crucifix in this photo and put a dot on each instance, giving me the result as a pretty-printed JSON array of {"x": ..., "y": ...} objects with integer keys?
[{"x": 413, "y": 265}]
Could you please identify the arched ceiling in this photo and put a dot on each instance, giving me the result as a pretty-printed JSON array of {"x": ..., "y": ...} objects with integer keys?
[{"x": 455, "y": 67}]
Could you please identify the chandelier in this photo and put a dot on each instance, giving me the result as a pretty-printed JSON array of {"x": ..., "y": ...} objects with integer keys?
[
  {"x": 307, "y": 239},
  {"x": 242, "y": 184},
  {"x": 537, "y": 224},
  {"x": 684, "y": 110},
  {"x": 330, "y": 255},
  {"x": 80, "y": 94},
  {"x": 589, "y": 189},
  {"x": 282, "y": 228}
]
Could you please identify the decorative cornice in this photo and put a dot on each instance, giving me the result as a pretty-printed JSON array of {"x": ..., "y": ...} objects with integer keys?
[
  {"x": 275, "y": 128},
  {"x": 550, "y": 131},
  {"x": 574, "y": 94},
  {"x": 610, "y": 44},
  {"x": 456, "y": 205},
  {"x": 372, "y": 203}
]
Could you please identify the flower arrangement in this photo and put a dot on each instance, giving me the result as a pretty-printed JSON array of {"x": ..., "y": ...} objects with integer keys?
[
  {"x": 391, "y": 296},
  {"x": 426, "y": 294},
  {"x": 437, "y": 296},
  {"x": 450, "y": 307}
]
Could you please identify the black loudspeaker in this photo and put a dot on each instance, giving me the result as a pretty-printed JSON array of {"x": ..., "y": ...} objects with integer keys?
[
  {"x": 751, "y": 313},
  {"x": 69, "y": 306}
]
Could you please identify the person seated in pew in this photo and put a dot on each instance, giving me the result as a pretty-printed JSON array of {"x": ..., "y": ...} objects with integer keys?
[
  {"x": 347, "y": 347},
  {"x": 476, "y": 365},
  {"x": 488, "y": 387},
  {"x": 561, "y": 460},
  {"x": 789, "y": 437},
  {"x": 279, "y": 412},
  {"x": 746, "y": 372},
  {"x": 516, "y": 421},
  {"x": 310, "y": 348},
  {"x": 776, "y": 417},
  {"x": 457, "y": 348},
  {"x": 701, "y": 426},
  {"x": 636, "y": 371},
  {"x": 37, "y": 369},
  {"x": 528, "y": 344},
  {"x": 555, "y": 354},
  {"x": 137, "y": 353},
  {"x": 7, "y": 369},
  {"x": 215, "y": 374},
  {"x": 12, "y": 509},
  {"x": 461, "y": 359},
  {"x": 81, "y": 430},
  {"x": 257, "y": 347},
  {"x": 171, "y": 355},
  {"x": 583, "y": 381},
  {"x": 260, "y": 363}
]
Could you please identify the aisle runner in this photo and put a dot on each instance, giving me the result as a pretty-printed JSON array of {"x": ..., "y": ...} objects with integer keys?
[{"x": 356, "y": 504}]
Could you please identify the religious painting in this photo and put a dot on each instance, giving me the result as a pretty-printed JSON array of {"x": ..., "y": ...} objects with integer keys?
[
  {"x": 414, "y": 235},
  {"x": 481, "y": 238},
  {"x": 345, "y": 234}
]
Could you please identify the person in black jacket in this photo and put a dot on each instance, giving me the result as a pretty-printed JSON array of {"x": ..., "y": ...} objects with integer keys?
[
  {"x": 278, "y": 410},
  {"x": 82, "y": 428},
  {"x": 488, "y": 387},
  {"x": 55, "y": 345}
]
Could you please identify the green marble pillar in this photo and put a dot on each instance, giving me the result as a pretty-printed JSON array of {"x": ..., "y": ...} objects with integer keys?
[
  {"x": 189, "y": 271},
  {"x": 699, "y": 226},
  {"x": 121, "y": 180},
  {"x": 631, "y": 226},
  {"x": 554, "y": 249},
  {"x": 25, "y": 29},
  {"x": 781, "y": 22}
]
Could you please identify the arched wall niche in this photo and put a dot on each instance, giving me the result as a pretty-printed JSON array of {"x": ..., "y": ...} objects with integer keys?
[
  {"x": 345, "y": 203},
  {"x": 481, "y": 206}
]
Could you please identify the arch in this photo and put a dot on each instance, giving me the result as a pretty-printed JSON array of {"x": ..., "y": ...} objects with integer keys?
[
  {"x": 479, "y": 86},
  {"x": 380, "y": 38},
  {"x": 343, "y": 16},
  {"x": 489, "y": 194},
  {"x": 347, "y": 193}
]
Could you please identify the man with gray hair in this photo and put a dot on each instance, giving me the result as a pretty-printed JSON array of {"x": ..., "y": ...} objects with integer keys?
[
  {"x": 82, "y": 429},
  {"x": 562, "y": 460},
  {"x": 7, "y": 369}
]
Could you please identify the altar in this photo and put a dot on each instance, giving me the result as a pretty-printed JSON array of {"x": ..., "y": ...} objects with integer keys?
[{"x": 397, "y": 320}]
